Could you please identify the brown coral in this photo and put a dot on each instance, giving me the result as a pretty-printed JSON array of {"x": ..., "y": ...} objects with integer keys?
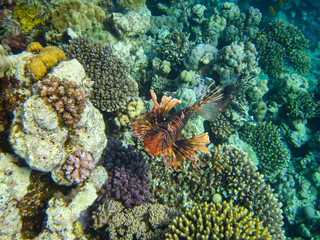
[
  {"x": 47, "y": 58},
  {"x": 67, "y": 98}
]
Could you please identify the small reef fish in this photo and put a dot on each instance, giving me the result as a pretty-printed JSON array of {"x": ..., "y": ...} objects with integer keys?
[
  {"x": 163, "y": 135},
  {"x": 272, "y": 11}
]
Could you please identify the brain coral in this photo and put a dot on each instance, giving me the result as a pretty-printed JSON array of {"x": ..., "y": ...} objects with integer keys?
[
  {"x": 217, "y": 221},
  {"x": 281, "y": 41},
  {"x": 113, "y": 87}
]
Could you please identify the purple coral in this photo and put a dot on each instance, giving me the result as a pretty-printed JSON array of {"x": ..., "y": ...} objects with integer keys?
[
  {"x": 78, "y": 166},
  {"x": 128, "y": 179},
  {"x": 67, "y": 98}
]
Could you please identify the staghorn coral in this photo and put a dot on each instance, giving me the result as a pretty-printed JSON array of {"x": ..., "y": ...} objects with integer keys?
[
  {"x": 113, "y": 86},
  {"x": 140, "y": 222},
  {"x": 78, "y": 166},
  {"x": 281, "y": 41},
  {"x": 47, "y": 58},
  {"x": 265, "y": 138},
  {"x": 217, "y": 221},
  {"x": 128, "y": 179},
  {"x": 67, "y": 98}
]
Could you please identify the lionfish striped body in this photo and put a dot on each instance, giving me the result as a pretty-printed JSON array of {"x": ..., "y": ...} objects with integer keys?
[{"x": 163, "y": 135}]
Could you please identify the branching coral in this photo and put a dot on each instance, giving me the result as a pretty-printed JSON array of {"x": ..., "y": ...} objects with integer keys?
[
  {"x": 265, "y": 139},
  {"x": 47, "y": 58},
  {"x": 78, "y": 166},
  {"x": 128, "y": 179},
  {"x": 65, "y": 96},
  {"x": 217, "y": 221},
  {"x": 113, "y": 86},
  {"x": 140, "y": 222},
  {"x": 281, "y": 41}
]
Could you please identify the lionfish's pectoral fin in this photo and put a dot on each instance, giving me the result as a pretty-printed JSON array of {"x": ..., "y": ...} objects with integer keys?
[{"x": 186, "y": 148}]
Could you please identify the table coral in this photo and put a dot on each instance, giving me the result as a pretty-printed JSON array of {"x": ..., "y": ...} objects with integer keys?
[
  {"x": 217, "y": 221},
  {"x": 113, "y": 87}
]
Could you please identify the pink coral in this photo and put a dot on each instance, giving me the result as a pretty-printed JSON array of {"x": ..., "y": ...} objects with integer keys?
[
  {"x": 65, "y": 96},
  {"x": 78, "y": 166}
]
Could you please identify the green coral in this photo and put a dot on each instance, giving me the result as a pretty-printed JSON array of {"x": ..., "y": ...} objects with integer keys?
[
  {"x": 265, "y": 138},
  {"x": 281, "y": 41},
  {"x": 29, "y": 16},
  {"x": 135, "y": 4},
  {"x": 217, "y": 221}
]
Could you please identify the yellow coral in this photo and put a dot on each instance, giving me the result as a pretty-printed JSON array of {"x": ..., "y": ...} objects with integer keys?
[
  {"x": 217, "y": 221},
  {"x": 34, "y": 47},
  {"x": 28, "y": 17},
  {"x": 47, "y": 58}
]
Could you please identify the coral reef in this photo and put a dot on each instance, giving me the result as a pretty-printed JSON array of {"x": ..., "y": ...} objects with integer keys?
[
  {"x": 37, "y": 133},
  {"x": 66, "y": 97},
  {"x": 62, "y": 214},
  {"x": 113, "y": 87},
  {"x": 281, "y": 41},
  {"x": 14, "y": 182},
  {"x": 128, "y": 180},
  {"x": 217, "y": 221},
  {"x": 143, "y": 222},
  {"x": 4, "y": 62},
  {"x": 47, "y": 58},
  {"x": 265, "y": 139},
  {"x": 77, "y": 15}
]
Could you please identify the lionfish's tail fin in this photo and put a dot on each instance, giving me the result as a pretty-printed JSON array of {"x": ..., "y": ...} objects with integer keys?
[
  {"x": 186, "y": 149},
  {"x": 167, "y": 103}
]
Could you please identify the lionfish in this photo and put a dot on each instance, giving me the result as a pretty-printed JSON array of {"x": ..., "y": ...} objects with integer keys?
[{"x": 162, "y": 134}]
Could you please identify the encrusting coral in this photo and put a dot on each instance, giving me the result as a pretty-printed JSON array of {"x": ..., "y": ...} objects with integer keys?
[
  {"x": 47, "y": 58},
  {"x": 113, "y": 86},
  {"x": 65, "y": 96},
  {"x": 217, "y": 221}
]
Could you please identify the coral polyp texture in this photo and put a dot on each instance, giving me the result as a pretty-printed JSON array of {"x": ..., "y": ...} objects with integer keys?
[
  {"x": 281, "y": 41},
  {"x": 67, "y": 98},
  {"x": 47, "y": 58},
  {"x": 236, "y": 178},
  {"x": 128, "y": 179},
  {"x": 78, "y": 166},
  {"x": 141, "y": 222},
  {"x": 265, "y": 138},
  {"x": 113, "y": 86},
  {"x": 217, "y": 221}
]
